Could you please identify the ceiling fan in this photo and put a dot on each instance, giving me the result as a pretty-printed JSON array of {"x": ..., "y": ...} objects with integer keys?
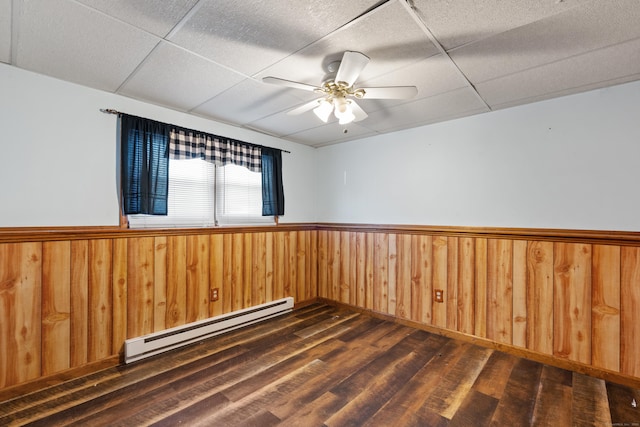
[{"x": 338, "y": 91}]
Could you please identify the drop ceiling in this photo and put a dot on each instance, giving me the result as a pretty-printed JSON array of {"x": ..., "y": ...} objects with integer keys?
[{"x": 208, "y": 57}]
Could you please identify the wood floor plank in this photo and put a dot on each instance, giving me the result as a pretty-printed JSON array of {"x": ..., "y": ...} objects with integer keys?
[
  {"x": 457, "y": 382},
  {"x": 327, "y": 365},
  {"x": 516, "y": 406},
  {"x": 252, "y": 405},
  {"x": 554, "y": 399},
  {"x": 495, "y": 374},
  {"x": 621, "y": 404},
  {"x": 476, "y": 410},
  {"x": 590, "y": 404},
  {"x": 386, "y": 381},
  {"x": 341, "y": 363},
  {"x": 190, "y": 391},
  {"x": 408, "y": 404}
]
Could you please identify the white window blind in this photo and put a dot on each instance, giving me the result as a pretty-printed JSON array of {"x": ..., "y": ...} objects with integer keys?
[
  {"x": 239, "y": 196},
  {"x": 191, "y": 201}
]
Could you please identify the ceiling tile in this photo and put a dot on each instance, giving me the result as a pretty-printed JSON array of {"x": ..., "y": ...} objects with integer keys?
[
  {"x": 579, "y": 30},
  {"x": 71, "y": 42},
  {"x": 249, "y": 36},
  {"x": 281, "y": 123},
  {"x": 371, "y": 35},
  {"x": 604, "y": 67},
  {"x": 427, "y": 110},
  {"x": 248, "y": 101},
  {"x": 5, "y": 31},
  {"x": 331, "y": 133},
  {"x": 186, "y": 80},
  {"x": 156, "y": 16},
  {"x": 455, "y": 23},
  {"x": 432, "y": 76}
]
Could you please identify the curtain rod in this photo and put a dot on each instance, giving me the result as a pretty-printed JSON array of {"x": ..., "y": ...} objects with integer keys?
[{"x": 112, "y": 111}]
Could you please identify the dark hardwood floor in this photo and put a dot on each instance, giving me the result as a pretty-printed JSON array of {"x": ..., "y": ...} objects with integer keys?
[{"x": 323, "y": 365}]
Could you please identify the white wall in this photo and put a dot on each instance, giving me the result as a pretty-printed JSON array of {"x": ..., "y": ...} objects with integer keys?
[
  {"x": 571, "y": 162},
  {"x": 58, "y": 153}
]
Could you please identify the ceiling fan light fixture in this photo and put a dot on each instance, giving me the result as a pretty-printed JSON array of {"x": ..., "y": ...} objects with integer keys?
[
  {"x": 343, "y": 110},
  {"x": 347, "y": 118},
  {"x": 323, "y": 110}
]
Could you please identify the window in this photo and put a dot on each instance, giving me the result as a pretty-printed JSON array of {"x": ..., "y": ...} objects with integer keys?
[
  {"x": 169, "y": 178},
  {"x": 239, "y": 196},
  {"x": 192, "y": 202}
]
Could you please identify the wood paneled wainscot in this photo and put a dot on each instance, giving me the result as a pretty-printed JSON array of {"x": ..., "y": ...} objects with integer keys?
[
  {"x": 572, "y": 297},
  {"x": 69, "y": 298}
]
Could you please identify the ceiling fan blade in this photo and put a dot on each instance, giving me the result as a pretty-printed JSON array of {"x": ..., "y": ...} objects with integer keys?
[
  {"x": 289, "y": 83},
  {"x": 304, "y": 108},
  {"x": 350, "y": 67},
  {"x": 357, "y": 111},
  {"x": 393, "y": 92}
]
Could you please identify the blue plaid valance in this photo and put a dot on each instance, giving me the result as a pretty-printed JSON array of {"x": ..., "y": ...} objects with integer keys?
[{"x": 190, "y": 144}]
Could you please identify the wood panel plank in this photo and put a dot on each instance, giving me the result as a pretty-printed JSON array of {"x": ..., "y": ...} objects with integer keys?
[
  {"x": 301, "y": 265},
  {"x": 176, "y": 314},
  {"x": 292, "y": 264},
  {"x": 403, "y": 274},
  {"x": 451, "y": 291},
  {"x": 361, "y": 269},
  {"x": 269, "y": 267},
  {"x": 312, "y": 284},
  {"x": 344, "y": 284},
  {"x": 540, "y": 296},
  {"x": 500, "y": 290},
  {"x": 160, "y": 283},
  {"x": 197, "y": 277},
  {"x": 119, "y": 294},
  {"x": 226, "y": 288},
  {"x": 466, "y": 285},
  {"x": 369, "y": 268},
  {"x": 572, "y": 295},
  {"x": 353, "y": 268},
  {"x": 381, "y": 272},
  {"x": 56, "y": 306},
  {"x": 439, "y": 270},
  {"x": 237, "y": 270},
  {"x": 605, "y": 307},
  {"x": 422, "y": 291},
  {"x": 80, "y": 302},
  {"x": 216, "y": 271},
  {"x": 247, "y": 271},
  {"x": 392, "y": 287},
  {"x": 323, "y": 264},
  {"x": 259, "y": 272},
  {"x": 333, "y": 266},
  {"x": 480, "y": 321},
  {"x": 140, "y": 292},
  {"x": 519, "y": 321},
  {"x": 279, "y": 257},
  {"x": 20, "y": 312},
  {"x": 291, "y": 250},
  {"x": 100, "y": 299},
  {"x": 630, "y": 311}
]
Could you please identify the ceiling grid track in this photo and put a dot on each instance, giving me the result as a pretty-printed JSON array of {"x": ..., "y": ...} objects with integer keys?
[{"x": 407, "y": 4}]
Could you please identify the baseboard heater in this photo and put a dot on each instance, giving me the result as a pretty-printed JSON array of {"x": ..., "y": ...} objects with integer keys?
[{"x": 169, "y": 339}]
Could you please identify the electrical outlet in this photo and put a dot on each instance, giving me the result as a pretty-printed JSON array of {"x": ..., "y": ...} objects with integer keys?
[
  {"x": 215, "y": 294},
  {"x": 438, "y": 295}
]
